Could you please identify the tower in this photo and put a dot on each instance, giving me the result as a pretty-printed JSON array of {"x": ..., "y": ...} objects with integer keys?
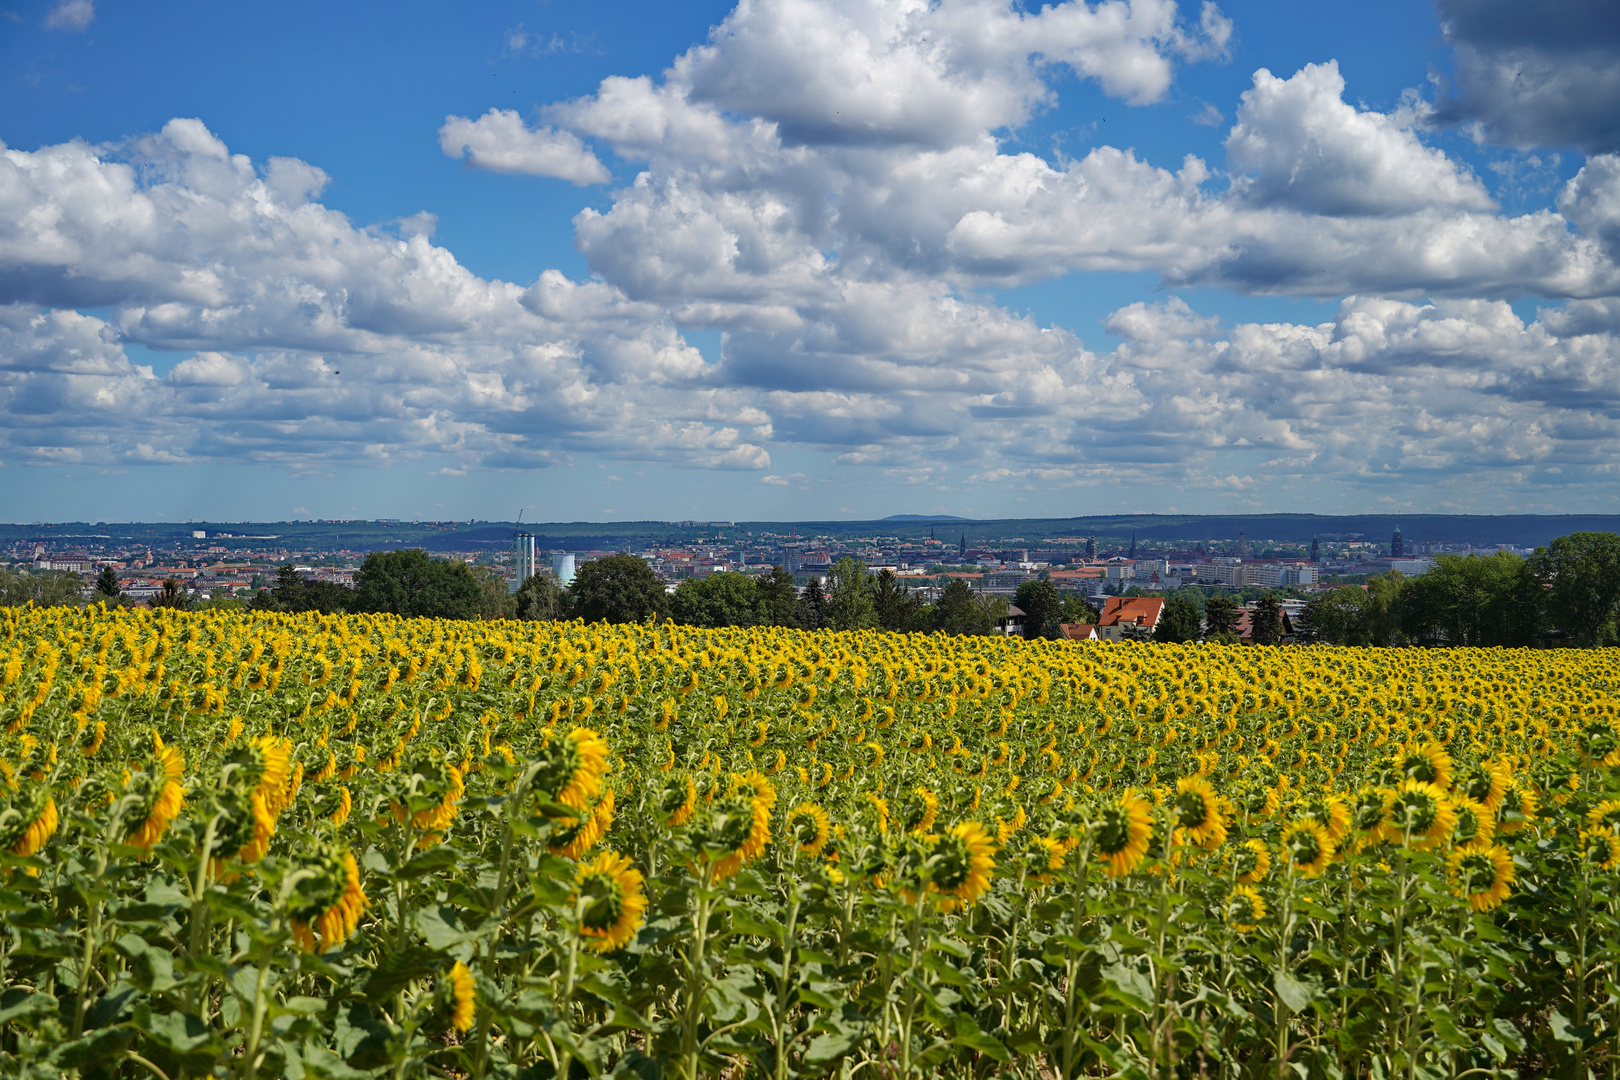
[
  {"x": 1397, "y": 544},
  {"x": 963, "y": 549},
  {"x": 1091, "y": 547},
  {"x": 1242, "y": 545},
  {"x": 1133, "y": 543},
  {"x": 1316, "y": 550},
  {"x": 523, "y": 557}
]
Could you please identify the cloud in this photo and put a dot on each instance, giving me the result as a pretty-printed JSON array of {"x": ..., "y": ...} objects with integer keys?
[
  {"x": 73, "y": 16},
  {"x": 500, "y": 142},
  {"x": 1540, "y": 73}
]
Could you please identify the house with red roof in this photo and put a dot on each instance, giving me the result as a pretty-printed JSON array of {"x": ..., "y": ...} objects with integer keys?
[{"x": 1126, "y": 617}]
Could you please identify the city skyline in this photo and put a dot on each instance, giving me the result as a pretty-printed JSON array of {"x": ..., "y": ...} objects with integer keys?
[{"x": 807, "y": 259}]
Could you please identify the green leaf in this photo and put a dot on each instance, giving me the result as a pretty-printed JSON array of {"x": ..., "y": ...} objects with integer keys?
[
  {"x": 396, "y": 970},
  {"x": 827, "y": 1048},
  {"x": 299, "y": 1006},
  {"x": 1129, "y": 985},
  {"x": 21, "y": 1004},
  {"x": 1293, "y": 993},
  {"x": 969, "y": 1034},
  {"x": 442, "y": 857},
  {"x": 744, "y": 921}
]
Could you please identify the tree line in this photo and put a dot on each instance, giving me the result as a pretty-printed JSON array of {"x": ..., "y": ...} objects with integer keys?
[{"x": 1565, "y": 593}]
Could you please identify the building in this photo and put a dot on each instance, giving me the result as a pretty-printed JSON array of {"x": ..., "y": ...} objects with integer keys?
[
  {"x": 1079, "y": 631},
  {"x": 1242, "y": 545},
  {"x": 562, "y": 568},
  {"x": 1397, "y": 544},
  {"x": 524, "y": 559},
  {"x": 1129, "y": 616}
]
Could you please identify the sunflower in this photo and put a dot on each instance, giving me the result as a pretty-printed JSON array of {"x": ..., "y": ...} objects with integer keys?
[
  {"x": 573, "y": 767},
  {"x": 1328, "y": 810},
  {"x": 576, "y": 834},
  {"x": 1486, "y": 782},
  {"x": 1600, "y": 742},
  {"x": 1043, "y": 857},
  {"x": 756, "y": 788},
  {"x": 677, "y": 801},
  {"x": 1600, "y": 849},
  {"x": 919, "y": 809},
  {"x": 729, "y": 833},
  {"x": 160, "y": 795},
  {"x": 328, "y": 902},
  {"x": 810, "y": 828},
  {"x": 1420, "y": 815},
  {"x": 963, "y": 864},
  {"x": 1369, "y": 814},
  {"x": 1480, "y": 873},
  {"x": 1308, "y": 846},
  {"x": 1197, "y": 813},
  {"x": 1123, "y": 830},
  {"x": 1251, "y": 862},
  {"x": 28, "y": 820},
  {"x": 1605, "y": 816},
  {"x": 1244, "y": 909},
  {"x": 875, "y": 812},
  {"x": 609, "y": 898},
  {"x": 1428, "y": 764},
  {"x": 461, "y": 995},
  {"x": 1474, "y": 821}
]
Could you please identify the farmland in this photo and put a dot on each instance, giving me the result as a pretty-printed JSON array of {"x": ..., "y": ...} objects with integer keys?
[{"x": 346, "y": 846}]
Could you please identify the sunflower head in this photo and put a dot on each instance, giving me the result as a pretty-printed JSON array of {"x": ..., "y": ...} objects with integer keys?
[
  {"x": 1428, "y": 763},
  {"x": 917, "y": 810},
  {"x": 1197, "y": 812},
  {"x": 571, "y": 768},
  {"x": 1600, "y": 849},
  {"x": 1481, "y": 873},
  {"x": 28, "y": 818},
  {"x": 1307, "y": 846},
  {"x": 1474, "y": 821},
  {"x": 1251, "y": 862},
  {"x": 459, "y": 996},
  {"x": 962, "y": 863},
  {"x": 1420, "y": 815},
  {"x": 327, "y": 899},
  {"x": 810, "y": 828},
  {"x": 1122, "y": 833},
  {"x": 609, "y": 900},
  {"x": 675, "y": 801},
  {"x": 1244, "y": 909},
  {"x": 728, "y": 833}
]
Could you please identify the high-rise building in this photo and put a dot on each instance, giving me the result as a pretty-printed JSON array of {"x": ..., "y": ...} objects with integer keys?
[
  {"x": 1397, "y": 544},
  {"x": 1316, "y": 550},
  {"x": 1091, "y": 547},
  {"x": 1242, "y": 545}
]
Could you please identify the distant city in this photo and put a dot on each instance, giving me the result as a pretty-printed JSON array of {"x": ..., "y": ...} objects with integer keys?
[{"x": 1141, "y": 555}]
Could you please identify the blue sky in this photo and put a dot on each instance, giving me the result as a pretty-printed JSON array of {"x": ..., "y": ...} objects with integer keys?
[{"x": 796, "y": 259}]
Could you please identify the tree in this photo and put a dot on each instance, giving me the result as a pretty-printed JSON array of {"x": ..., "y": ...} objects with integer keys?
[
  {"x": 1266, "y": 621},
  {"x": 495, "y": 601},
  {"x": 1338, "y": 617},
  {"x": 779, "y": 596},
  {"x": 541, "y": 598},
  {"x": 408, "y": 582},
  {"x": 1221, "y": 615},
  {"x": 1076, "y": 610},
  {"x": 718, "y": 600},
  {"x": 49, "y": 589},
  {"x": 812, "y": 607},
  {"x": 1582, "y": 574},
  {"x": 849, "y": 596},
  {"x": 1475, "y": 601},
  {"x": 1386, "y": 597},
  {"x": 107, "y": 585},
  {"x": 1179, "y": 621},
  {"x": 1042, "y": 607},
  {"x": 618, "y": 589},
  {"x": 292, "y": 593},
  {"x": 898, "y": 608},
  {"x": 959, "y": 612},
  {"x": 172, "y": 595}
]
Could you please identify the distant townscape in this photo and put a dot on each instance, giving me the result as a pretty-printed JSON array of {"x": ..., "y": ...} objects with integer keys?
[{"x": 1339, "y": 586}]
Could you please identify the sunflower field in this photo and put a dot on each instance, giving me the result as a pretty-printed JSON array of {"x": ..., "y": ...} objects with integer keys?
[{"x": 350, "y": 846}]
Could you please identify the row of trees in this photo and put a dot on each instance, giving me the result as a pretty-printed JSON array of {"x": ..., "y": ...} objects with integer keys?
[{"x": 1569, "y": 590}]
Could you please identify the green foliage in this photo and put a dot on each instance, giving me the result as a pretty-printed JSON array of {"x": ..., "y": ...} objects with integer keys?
[
  {"x": 850, "y": 604},
  {"x": 1221, "y": 614},
  {"x": 779, "y": 596},
  {"x": 1582, "y": 575},
  {"x": 409, "y": 582},
  {"x": 1179, "y": 622},
  {"x": 107, "y": 584},
  {"x": 1474, "y": 600},
  {"x": 1338, "y": 616},
  {"x": 958, "y": 611},
  {"x": 1266, "y": 622},
  {"x": 718, "y": 600},
  {"x": 494, "y": 601},
  {"x": 617, "y": 589},
  {"x": 172, "y": 595},
  {"x": 898, "y": 608},
  {"x": 1042, "y": 607},
  {"x": 811, "y": 609},
  {"x": 47, "y": 589},
  {"x": 541, "y": 598}
]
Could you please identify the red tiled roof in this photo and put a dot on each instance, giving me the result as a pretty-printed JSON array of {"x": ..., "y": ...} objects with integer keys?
[{"x": 1141, "y": 610}]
